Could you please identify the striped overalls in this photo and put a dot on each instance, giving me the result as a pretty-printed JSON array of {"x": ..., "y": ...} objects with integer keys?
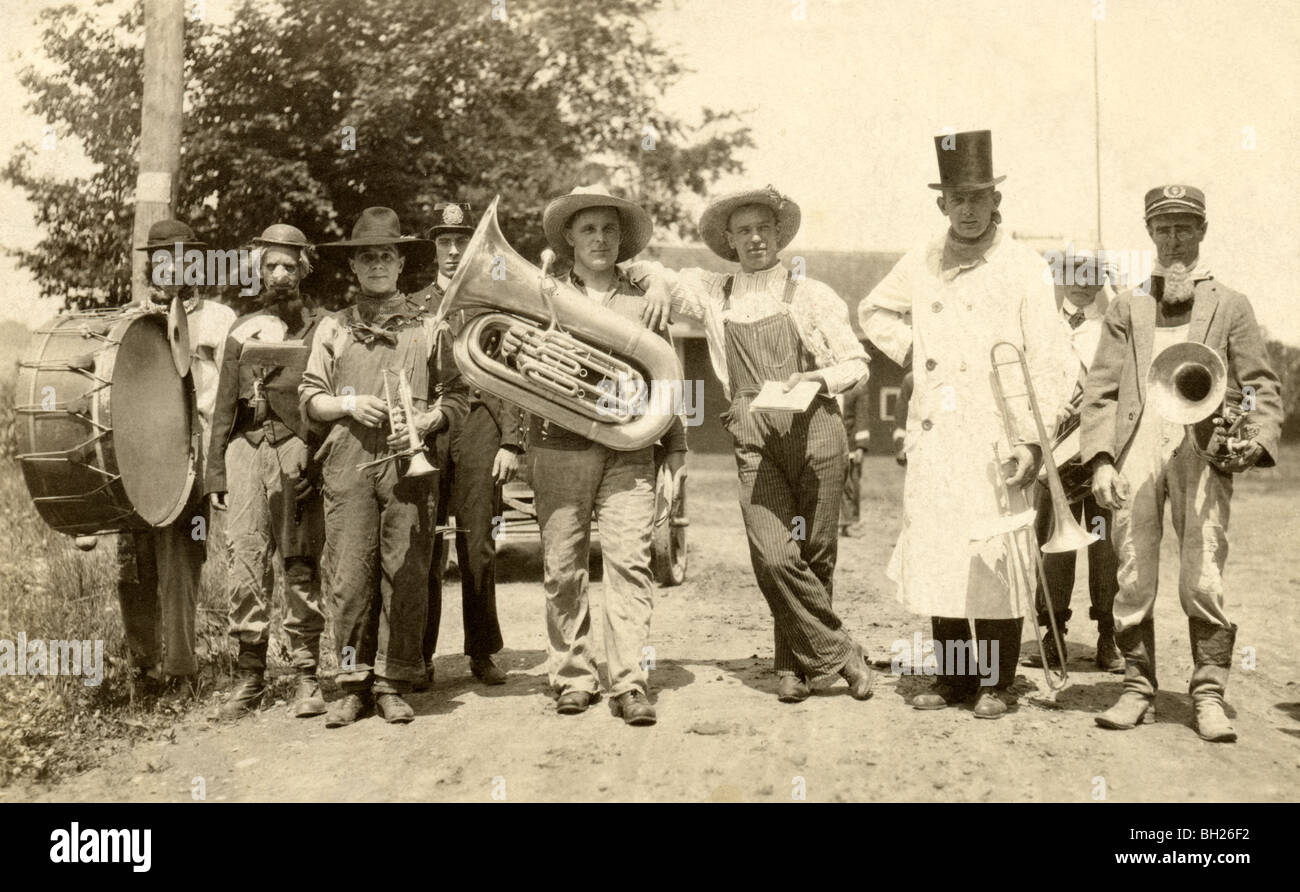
[{"x": 791, "y": 470}]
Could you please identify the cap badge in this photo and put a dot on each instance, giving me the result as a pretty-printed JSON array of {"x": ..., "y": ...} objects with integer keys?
[
  {"x": 1175, "y": 191},
  {"x": 452, "y": 215}
]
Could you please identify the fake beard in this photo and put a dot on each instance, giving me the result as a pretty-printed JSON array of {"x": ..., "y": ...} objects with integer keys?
[{"x": 1178, "y": 285}]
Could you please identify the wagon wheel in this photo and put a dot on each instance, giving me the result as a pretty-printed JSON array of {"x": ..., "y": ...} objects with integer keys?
[{"x": 668, "y": 540}]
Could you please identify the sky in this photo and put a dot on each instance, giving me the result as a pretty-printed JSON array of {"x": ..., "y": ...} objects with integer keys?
[{"x": 844, "y": 98}]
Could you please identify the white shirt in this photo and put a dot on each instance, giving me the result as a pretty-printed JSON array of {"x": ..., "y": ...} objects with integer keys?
[{"x": 820, "y": 317}]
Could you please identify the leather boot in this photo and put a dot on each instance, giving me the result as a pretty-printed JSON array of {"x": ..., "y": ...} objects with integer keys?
[
  {"x": 307, "y": 699},
  {"x": 250, "y": 683},
  {"x": 1108, "y": 655},
  {"x": 1136, "y": 704},
  {"x": 1212, "y": 650}
]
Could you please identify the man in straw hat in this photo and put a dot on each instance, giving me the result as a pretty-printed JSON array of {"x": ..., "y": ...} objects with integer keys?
[
  {"x": 946, "y": 303},
  {"x": 258, "y": 473},
  {"x": 379, "y": 523},
  {"x": 573, "y": 476},
  {"x": 1081, "y": 277},
  {"x": 477, "y": 458},
  {"x": 768, "y": 323},
  {"x": 1140, "y": 460},
  {"x": 158, "y": 571}
]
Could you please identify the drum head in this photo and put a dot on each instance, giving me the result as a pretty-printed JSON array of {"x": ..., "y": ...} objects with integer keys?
[{"x": 151, "y": 422}]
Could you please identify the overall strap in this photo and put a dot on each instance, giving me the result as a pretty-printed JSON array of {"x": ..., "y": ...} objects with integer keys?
[
  {"x": 789, "y": 289},
  {"x": 726, "y": 292}
]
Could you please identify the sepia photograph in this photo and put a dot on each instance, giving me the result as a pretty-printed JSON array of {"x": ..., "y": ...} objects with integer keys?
[{"x": 651, "y": 401}]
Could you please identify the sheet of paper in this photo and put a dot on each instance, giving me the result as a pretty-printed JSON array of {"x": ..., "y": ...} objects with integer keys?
[{"x": 773, "y": 398}]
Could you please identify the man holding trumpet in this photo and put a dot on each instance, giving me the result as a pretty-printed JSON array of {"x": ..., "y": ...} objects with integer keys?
[
  {"x": 946, "y": 304},
  {"x": 379, "y": 514},
  {"x": 1140, "y": 460}
]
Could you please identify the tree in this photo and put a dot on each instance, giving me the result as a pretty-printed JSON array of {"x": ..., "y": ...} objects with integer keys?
[{"x": 307, "y": 111}]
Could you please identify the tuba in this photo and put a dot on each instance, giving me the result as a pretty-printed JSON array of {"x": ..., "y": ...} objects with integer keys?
[{"x": 533, "y": 340}]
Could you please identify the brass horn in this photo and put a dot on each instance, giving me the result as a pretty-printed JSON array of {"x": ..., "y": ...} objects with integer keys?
[
  {"x": 535, "y": 341},
  {"x": 1067, "y": 534},
  {"x": 1186, "y": 383}
]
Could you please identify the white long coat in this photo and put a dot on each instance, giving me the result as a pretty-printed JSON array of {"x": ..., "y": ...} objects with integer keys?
[{"x": 949, "y": 560}]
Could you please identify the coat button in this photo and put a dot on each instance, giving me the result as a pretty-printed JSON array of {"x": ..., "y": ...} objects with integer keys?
[
  {"x": 927, "y": 424},
  {"x": 930, "y": 365},
  {"x": 936, "y": 306},
  {"x": 1130, "y": 415}
]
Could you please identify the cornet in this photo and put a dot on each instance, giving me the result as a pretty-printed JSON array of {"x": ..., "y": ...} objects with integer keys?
[
  {"x": 401, "y": 413},
  {"x": 1067, "y": 534}
]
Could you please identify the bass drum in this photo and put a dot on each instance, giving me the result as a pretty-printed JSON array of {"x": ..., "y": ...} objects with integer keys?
[{"x": 105, "y": 423}]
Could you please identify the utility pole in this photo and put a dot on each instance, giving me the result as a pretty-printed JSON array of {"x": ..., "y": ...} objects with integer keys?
[
  {"x": 160, "y": 125},
  {"x": 1096, "y": 128}
]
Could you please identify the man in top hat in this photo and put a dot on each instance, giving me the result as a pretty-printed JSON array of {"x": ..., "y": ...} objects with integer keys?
[
  {"x": 769, "y": 323},
  {"x": 855, "y": 405},
  {"x": 258, "y": 473},
  {"x": 158, "y": 571},
  {"x": 1081, "y": 276},
  {"x": 574, "y": 477},
  {"x": 1140, "y": 461},
  {"x": 476, "y": 460},
  {"x": 946, "y": 303},
  {"x": 379, "y": 522}
]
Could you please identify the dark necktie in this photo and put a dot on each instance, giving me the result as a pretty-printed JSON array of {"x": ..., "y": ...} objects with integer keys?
[{"x": 1076, "y": 319}]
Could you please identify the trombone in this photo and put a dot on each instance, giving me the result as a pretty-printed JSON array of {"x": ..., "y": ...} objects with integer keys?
[
  {"x": 401, "y": 413},
  {"x": 1067, "y": 534}
]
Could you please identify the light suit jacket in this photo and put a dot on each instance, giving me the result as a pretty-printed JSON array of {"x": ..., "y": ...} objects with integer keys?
[{"x": 1115, "y": 390}]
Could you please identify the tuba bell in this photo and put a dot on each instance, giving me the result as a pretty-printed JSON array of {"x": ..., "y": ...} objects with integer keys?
[{"x": 533, "y": 340}]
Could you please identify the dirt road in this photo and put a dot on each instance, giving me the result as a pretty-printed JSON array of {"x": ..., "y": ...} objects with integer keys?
[{"x": 722, "y": 736}]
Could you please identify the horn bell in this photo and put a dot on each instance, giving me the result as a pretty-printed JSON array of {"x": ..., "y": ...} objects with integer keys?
[
  {"x": 533, "y": 340},
  {"x": 1186, "y": 382}
]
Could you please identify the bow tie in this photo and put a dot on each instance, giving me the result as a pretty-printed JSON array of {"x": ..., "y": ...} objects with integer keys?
[
  {"x": 367, "y": 334},
  {"x": 1076, "y": 319}
]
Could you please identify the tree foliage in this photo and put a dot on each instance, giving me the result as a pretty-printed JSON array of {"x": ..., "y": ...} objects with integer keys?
[{"x": 443, "y": 101}]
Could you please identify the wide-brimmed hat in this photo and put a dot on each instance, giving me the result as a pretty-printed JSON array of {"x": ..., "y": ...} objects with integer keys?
[
  {"x": 714, "y": 220},
  {"x": 1174, "y": 200},
  {"x": 378, "y": 226},
  {"x": 965, "y": 161},
  {"x": 452, "y": 217},
  {"x": 166, "y": 233},
  {"x": 281, "y": 235},
  {"x": 632, "y": 220}
]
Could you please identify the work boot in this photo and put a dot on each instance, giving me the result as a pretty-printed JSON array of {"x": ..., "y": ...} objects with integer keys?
[
  {"x": 634, "y": 708},
  {"x": 1212, "y": 650},
  {"x": 858, "y": 674},
  {"x": 393, "y": 709},
  {"x": 348, "y": 709},
  {"x": 1108, "y": 656},
  {"x": 486, "y": 671},
  {"x": 307, "y": 699},
  {"x": 1136, "y": 704},
  {"x": 943, "y": 693},
  {"x": 1056, "y": 659},
  {"x": 992, "y": 703},
  {"x": 790, "y": 688},
  {"x": 250, "y": 682}
]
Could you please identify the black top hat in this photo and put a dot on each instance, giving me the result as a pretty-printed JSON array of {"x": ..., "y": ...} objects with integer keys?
[
  {"x": 378, "y": 226},
  {"x": 965, "y": 161},
  {"x": 167, "y": 233},
  {"x": 452, "y": 217}
]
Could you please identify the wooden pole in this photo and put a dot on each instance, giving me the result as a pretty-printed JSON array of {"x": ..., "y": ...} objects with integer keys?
[
  {"x": 1096, "y": 128},
  {"x": 160, "y": 125}
]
